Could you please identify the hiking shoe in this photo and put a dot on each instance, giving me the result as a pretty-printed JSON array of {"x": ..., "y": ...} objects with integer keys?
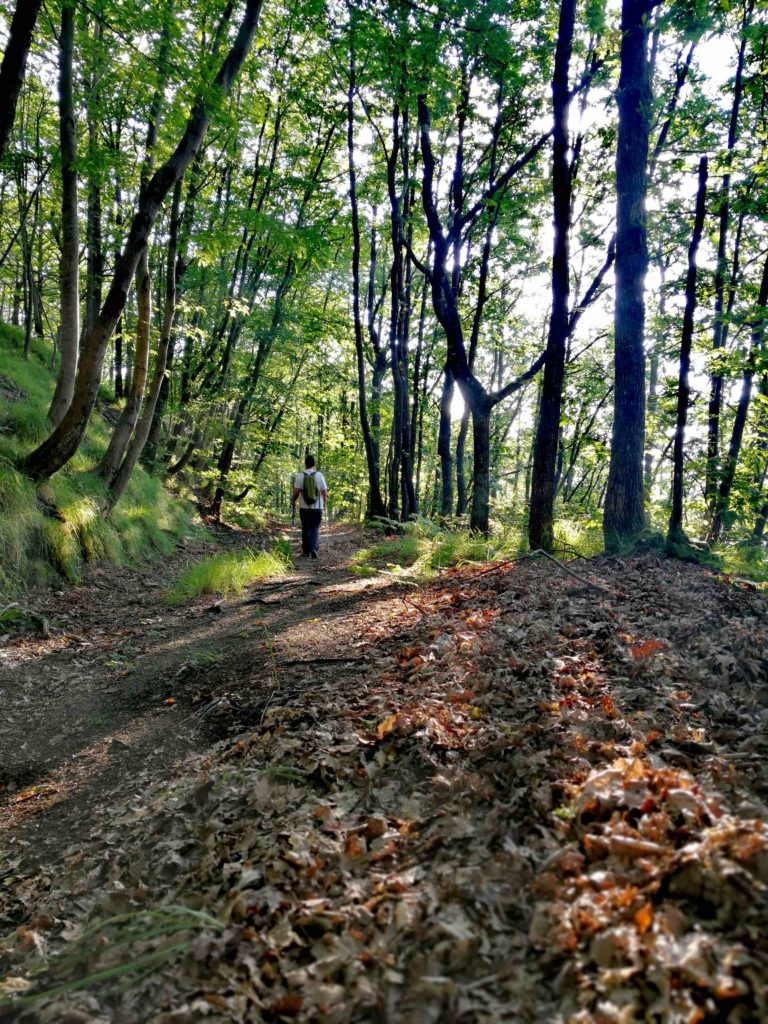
[{"x": 314, "y": 554}]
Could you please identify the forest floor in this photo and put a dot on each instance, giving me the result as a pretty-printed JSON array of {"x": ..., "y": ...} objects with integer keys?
[{"x": 509, "y": 793}]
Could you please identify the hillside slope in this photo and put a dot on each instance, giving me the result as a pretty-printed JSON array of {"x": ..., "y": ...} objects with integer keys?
[{"x": 48, "y": 532}]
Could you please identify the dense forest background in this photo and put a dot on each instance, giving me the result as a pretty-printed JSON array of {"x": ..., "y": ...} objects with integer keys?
[{"x": 501, "y": 265}]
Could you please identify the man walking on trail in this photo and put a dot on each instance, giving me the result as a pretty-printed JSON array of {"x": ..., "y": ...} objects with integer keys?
[{"x": 311, "y": 492}]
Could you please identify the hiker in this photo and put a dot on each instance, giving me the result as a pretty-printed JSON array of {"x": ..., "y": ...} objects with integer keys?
[{"x": 311, "y": 492}]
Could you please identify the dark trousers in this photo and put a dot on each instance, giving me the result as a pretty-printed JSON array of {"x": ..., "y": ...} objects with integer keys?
[{"x": 310, "y": 529}]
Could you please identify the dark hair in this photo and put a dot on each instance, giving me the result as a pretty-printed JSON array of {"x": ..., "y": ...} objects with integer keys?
[{"x": 309, "y": 461}]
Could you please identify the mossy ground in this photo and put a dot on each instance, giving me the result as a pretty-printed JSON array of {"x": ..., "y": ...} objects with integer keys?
[{"x": 48, "y": 532}]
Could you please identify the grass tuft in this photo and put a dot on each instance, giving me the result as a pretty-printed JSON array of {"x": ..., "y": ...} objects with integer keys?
[
  {"x": 228, "y": 573},
  {"x": 423, "y": 549}
]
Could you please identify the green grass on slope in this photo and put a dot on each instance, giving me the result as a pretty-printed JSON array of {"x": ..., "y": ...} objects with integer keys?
[
  {"x": 228, "y": 573},
  {"x": 50, "y": 531}
]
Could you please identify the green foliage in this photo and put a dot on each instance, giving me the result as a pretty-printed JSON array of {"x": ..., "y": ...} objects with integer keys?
[
  {"x": 228, "y": 573},
  {"x": 423, "y": 549},
  {"x": 747, "y": 559},
  {"x": 581, "y": 537}
]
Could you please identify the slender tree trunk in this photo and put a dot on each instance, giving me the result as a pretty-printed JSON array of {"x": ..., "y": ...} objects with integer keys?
[
  {"x": 624, "y": 515},
  {"x": 676, "y": 534},
  {"x": 462, "y": 491},
  {"x": 248, "y": 389},
  {"x": 29, "y": 287},
  {"x": 14, "y": 64},
  {"x": 653, "y": 381},
  {"x": 119, "y": 383},
  {"x": 69, "y": 337},
  {"x": 720, "y": 330},
  {"x": 121, "y": 435},
  {"x": 62, "y": 444},
  {"x": 742, "y": 410},
  {"x": 187, "y": 454},
  {"x": 141, "y": 433},
  {"x": 95, "y": 266},
  {"x": 444, "y": 449},
  {"x": 375, "y": 504},
  {"x": 544, "y": 470}
]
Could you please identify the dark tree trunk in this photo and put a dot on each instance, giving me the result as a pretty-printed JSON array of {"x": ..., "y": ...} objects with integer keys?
[
  {"x": 29, "y": 288},
  {"x": 121, "y": 435},
  {"x": 462, "y": 489},
  {"x": 481, "y": 468},
  {"x": 720, "y": 330},
  {"x": 119, "y": 388},
  {"x": 675, "y": 534},
  {"x": 653, "y": 380},
  {"x": 141, "y": 433},
  {"x": 14, "y": 64},
  {"x": 398, "y": 314},
  {"x": 69, "y": 337},
  {"x": 444, "y": 449},
  {"x": 543, "y": 474},
  {"x": 444, "y": 304},
  {"x": 62, "y": 444},
  {"x": 95, "y": 266},
  {"x": 375, "y": 504},
  {"x": 742, "y": 409},
  {"x": 624, "y": 515}
]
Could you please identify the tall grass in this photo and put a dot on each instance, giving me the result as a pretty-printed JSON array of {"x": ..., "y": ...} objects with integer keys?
[
  {"x": 51, "y": 531},
  {"x": 423, "y": 548},
  {"x": 227, "y": 573}
]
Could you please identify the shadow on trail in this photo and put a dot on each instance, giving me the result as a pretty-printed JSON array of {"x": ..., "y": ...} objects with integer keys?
[{"x": 103, "y": 724}]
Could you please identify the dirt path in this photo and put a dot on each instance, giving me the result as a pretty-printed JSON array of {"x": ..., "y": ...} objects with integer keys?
[{"x": 126, "y": 686}]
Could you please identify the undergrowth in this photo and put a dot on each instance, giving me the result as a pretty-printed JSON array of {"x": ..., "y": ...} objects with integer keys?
[
  {"x": 420, "y": 548},
  {"x": 50, "y": 531},
  {"x": 228, "y": 573}
]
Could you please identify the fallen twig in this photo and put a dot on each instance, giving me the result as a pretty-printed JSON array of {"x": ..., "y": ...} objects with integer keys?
[
  {"x": 572, "y": 572},
  {"x": 320, "y": 661}
]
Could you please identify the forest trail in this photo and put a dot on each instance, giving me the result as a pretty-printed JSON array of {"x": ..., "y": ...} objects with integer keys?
[
  {"x": 507, "y": 794},
  {"x": 125, "y": 686}
]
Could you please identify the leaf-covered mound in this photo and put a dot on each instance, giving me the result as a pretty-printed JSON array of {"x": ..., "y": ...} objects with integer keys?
[{"x": 540, "y": 799}]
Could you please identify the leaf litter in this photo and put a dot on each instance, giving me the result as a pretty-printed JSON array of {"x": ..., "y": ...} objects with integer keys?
[{"x": 532, "y": 802}]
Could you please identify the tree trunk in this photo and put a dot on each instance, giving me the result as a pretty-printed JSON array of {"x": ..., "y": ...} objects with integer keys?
[
  {"x": 462, "y": 495},
  {"x": 62, "y": 444},
  {"x": 121, "y": 435},
  {"x": 14, "y": 64},
  {"x": 653, "y": 380},
  {"x": 375, "y": 504},
  {"x": 95, "y": 266},
  {"x": 675, "y": 533},
  {"x": 481, "y": 476},
  {"x": 29, "y": 288},
  {"x": 69, "y": 337},
  {"x": 624, "y": 515},
  {"x": 720, "y": 330},
  {"x": 742, "y": 409},
  {"x": 123, "y": 475},
  {"x": 444, "y": 450},
  {"x": 543, "y": 484}
]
